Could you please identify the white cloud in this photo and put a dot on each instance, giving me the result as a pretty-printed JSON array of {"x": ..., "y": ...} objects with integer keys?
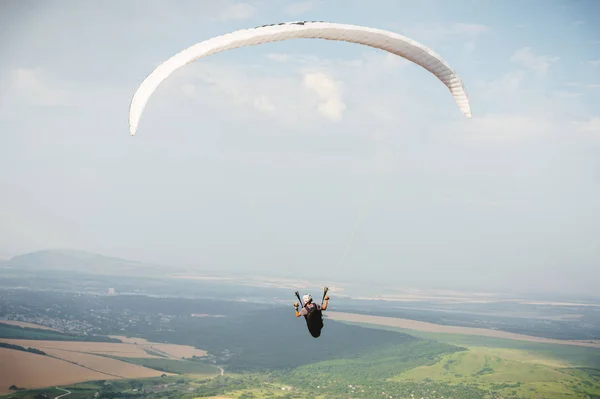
[
  {"x": 371, "y": 64},
  {"x": 568, "y": 94},
  {"x": 363, "y": 77},
  {"x": 518, "y": 110},
  {"x": 331, "y": 104},
  {"x": 591, "y": 125},
  {"x": 473, "y": 201},
  {"x": 295, "y": 58},
  {"x": 238, "y": 11},
  {"x": 595, "y": 63},
  {"x": 268, "y": 89},
  {"x": 540, "y": 64},
  {"x": 189, "y": 90},
  {"x": 468, "y": 29},
  {"x": 583, "y": 85},
  {"x": 506, "y": 85},
  {"x": 32, "y": 87},
  {"x": 263, "y": 103},
  {"x": 505, "y": 128},
  {"x": 301, "y": 7},
  {"x": 242, "y": 92},
  {"x": 278, "y": 57}
]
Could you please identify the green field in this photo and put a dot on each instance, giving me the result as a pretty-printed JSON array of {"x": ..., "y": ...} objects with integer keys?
[
  {"x": 578, "y": 356},
  {"x": 509, "y": 368},
  {"x": 508, "y": 372}
]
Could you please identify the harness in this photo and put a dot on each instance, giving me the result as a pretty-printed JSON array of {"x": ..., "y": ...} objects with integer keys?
[{"x": 309, "y": 313}]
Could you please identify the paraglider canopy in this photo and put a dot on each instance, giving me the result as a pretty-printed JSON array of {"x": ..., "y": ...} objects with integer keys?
[{"x": 377, "y": 38}]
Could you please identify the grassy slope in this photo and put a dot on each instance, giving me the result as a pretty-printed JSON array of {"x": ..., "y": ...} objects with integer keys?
[
  {"x": 370, "y": 372},
  {"x": 577, "y": 356},
  {"x": 508, "y": 372},
  {"x": 508, "y": 367}
]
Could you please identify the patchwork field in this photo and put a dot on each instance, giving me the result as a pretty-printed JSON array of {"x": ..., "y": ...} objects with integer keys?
[
  {"x": 69, "y": 362},
  {"x": 28, "y": 370},
  {"x": 438, "y": 328},
  {"x": 27, "y": 325}
]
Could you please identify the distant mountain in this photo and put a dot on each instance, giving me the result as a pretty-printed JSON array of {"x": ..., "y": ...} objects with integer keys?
[{"x": 79, "y": 261}]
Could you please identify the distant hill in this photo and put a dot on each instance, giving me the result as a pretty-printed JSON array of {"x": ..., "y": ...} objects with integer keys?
[{"x": 78, "y": 261}]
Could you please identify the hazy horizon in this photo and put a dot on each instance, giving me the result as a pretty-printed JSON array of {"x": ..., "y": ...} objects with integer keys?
[{"x": 262, "y": 158}]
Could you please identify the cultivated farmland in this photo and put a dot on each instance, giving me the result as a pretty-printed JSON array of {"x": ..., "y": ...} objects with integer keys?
[
  {"x": 28, "y": 370},
  {"x": 102, "y": 364},
  {"x": 172, "y": 351},
  {"x": 111, "y": 349}
]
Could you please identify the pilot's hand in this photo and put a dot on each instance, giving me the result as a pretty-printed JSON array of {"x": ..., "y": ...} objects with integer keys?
[
  {"x": 326, "y": 297},
  {"x": 296, "y": 305}
]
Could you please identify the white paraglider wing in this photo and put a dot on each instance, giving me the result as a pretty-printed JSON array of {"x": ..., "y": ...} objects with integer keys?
[{"x": 380, "y": 39}]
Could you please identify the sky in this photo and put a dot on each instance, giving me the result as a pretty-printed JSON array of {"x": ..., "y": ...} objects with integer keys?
[{"x": 309, "y": 158}]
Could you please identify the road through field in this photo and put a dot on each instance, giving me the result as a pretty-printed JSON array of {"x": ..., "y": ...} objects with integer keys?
[{"x": 64, "y": 394}]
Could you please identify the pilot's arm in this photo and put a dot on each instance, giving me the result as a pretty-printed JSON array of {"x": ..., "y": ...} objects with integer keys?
[
  {"x": 296, "y": 307},
  {"x": 326, "y": 303}
]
